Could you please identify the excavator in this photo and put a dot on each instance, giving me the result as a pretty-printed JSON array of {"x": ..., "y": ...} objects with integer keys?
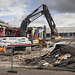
[
  {"x": 36, "y": 14},
  {"x": 20, "y": 35}
]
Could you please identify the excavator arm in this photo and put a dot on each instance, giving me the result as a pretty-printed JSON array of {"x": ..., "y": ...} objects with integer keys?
[{"x": 36, "y": 14}]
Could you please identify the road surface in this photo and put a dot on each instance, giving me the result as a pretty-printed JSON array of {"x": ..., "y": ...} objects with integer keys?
[{"x": 23, "y": 71}]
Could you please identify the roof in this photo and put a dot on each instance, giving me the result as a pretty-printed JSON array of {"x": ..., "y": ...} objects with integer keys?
[
  {"x": 7, "y": 25},
  {"x": 63, "y": 29},
  {"x": 3, "y": 24}
]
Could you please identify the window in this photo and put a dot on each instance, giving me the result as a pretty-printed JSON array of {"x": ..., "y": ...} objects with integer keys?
[
  {"x": 48, "y": 35},
  {"x": 61, "y": 34}
]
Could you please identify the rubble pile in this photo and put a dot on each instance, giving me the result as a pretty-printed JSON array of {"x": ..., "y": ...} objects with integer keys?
[
  {"x": 61, "y": 56},
  {"x": 20, "y": 56}
]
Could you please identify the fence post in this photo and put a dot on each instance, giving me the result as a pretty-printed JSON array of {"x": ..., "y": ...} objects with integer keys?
[{"x": 12, "y": 71}]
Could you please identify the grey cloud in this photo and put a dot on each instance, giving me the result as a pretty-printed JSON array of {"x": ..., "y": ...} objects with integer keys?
[{"x": 60, "y": 5}]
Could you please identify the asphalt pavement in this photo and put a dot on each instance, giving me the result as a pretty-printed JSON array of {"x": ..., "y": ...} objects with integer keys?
[{"x": 23, "y": 71}]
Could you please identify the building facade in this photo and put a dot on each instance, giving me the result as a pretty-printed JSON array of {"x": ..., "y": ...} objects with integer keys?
[{"x": 65, "y": 32}]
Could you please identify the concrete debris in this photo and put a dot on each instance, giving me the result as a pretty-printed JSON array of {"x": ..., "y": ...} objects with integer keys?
[
  {"x": 46, "y": 64},
  {"x": 28, "y": 50},
  {"x": 43, "y": 63},
  {"x": 61, "y": 56}
]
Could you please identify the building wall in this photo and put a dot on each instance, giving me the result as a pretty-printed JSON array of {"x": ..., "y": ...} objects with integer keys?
[{"x": 67, "y": 32}]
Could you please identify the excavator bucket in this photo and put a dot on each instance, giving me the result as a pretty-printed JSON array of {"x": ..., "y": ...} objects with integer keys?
[
  {"x": 54, "y": 34},
  {"x": 56, "y": 39}
]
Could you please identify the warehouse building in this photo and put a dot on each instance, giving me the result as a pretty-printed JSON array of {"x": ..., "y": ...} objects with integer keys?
[{"x": 65, "y": 32}]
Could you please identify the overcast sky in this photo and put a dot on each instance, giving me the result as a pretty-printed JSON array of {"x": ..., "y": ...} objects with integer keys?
[{"x": 13, "y": 10}]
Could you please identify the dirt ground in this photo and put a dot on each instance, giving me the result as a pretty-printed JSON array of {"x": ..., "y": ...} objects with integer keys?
[
  {"x": 19, "y": 59},
  {"x": 20, "y": 56},
  {"x": 23, "y": 71}
]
